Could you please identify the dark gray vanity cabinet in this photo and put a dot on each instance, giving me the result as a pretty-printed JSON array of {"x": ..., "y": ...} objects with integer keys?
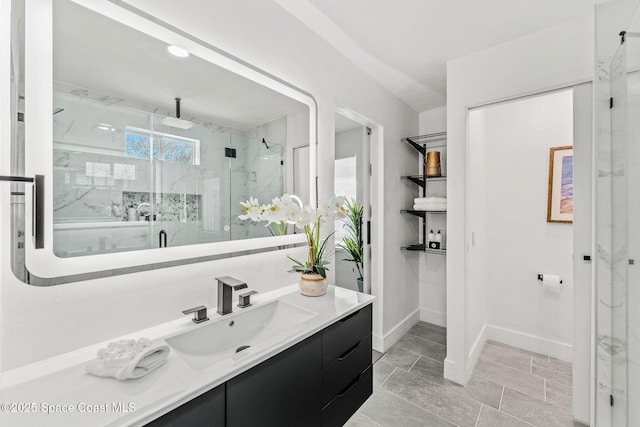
[
  {"x": 347, "y": 380},
  {"x": 282, "y": 391},
  {"x": 321, "y": 381},
  {"x": 207, "y": 409}
]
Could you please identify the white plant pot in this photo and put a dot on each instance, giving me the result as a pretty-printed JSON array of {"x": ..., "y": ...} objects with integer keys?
[{"x": 312, "y": 285}]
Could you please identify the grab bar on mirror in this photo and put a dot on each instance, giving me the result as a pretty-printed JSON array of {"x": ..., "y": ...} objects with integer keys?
[{"x": 37, "y": 214}]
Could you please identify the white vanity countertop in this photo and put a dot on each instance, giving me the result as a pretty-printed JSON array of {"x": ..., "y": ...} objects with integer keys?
[{"x": 76, "y": 398}]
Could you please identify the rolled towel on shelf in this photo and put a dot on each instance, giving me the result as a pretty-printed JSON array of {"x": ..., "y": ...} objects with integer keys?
[{"x": 128, "y": 359}]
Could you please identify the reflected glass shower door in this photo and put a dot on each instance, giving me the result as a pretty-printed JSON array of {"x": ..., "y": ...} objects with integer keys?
[{"x": 256, "y": 171}]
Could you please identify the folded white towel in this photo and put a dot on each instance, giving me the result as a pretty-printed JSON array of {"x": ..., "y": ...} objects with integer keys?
[
  {"x": 128, "y": 359},
  {"x": 430, "y": 200},
  {"x": 430, "y": 207}
]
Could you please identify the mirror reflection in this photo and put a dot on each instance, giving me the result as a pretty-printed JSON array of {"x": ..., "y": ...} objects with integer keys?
[{"x": 153, "y": 146}]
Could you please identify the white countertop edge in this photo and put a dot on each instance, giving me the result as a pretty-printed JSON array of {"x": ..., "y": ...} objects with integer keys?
[
  {"x": 209, "y": 378},
  {"x": 53, "y": 364}
]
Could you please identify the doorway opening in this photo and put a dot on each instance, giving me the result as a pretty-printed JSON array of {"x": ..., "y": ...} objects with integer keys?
[
  {"x": 352, "y": 181},
  {"x": 359, "y": 175},
  {"x": 528, "y": 218}
]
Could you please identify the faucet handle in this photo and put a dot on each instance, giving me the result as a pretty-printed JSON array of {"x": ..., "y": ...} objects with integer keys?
[
  {"x": 199, "y": 313},
  {"x": 244, "y": 300}
]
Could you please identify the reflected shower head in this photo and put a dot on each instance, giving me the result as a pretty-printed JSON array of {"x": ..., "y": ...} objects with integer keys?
[
  {"x": 177, "y": 122},
  {"x": 265, "y": 143}
]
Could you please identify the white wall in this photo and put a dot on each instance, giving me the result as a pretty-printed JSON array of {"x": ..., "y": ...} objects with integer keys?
[
  {"x": 297, "y": 136},
  {"x": 555, "y": 57},
  {"x": 583, "y": 242},
  {"x": 41, "y": 322},
  {"x": 432, "y": 268},
  {"x": 507, "y": 214},
  {"x": 349, "y": 144}
]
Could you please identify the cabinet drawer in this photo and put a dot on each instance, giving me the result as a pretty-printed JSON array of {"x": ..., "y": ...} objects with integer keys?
[
  {"x": 346, "y": 403},
  {"x": 347, "y": 367},
  {"x": 345, "y": 333}
]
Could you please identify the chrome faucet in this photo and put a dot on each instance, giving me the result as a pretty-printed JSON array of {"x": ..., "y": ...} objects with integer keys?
[{"x": 226, "y": 286}]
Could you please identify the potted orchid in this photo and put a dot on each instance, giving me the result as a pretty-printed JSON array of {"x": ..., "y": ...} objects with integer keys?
[{"x": 289, "y": 210}]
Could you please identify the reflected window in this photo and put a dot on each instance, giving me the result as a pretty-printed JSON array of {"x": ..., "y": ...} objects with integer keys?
[
  {"x": 164, "y": 147},
  {"x": 176, "y": 150},
  {"x": 345, "y": 185}
]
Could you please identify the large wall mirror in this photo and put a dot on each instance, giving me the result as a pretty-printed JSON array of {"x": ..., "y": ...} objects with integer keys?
[{"x": 149, "y": 139}]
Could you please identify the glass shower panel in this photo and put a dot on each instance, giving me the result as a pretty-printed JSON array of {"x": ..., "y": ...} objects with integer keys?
[
  {"x": 630, "y": 293},
  {"x": 190, "y": 198},
  {"x": 257, "y": 171},
  {"x": 95, "y": 170},
  {"x": 615, "y": 344}
]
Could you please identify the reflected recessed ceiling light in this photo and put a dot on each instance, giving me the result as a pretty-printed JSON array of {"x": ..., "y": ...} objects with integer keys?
[
  {"x": 104, "y": 126},
  {"x": 178, "y": 51}
]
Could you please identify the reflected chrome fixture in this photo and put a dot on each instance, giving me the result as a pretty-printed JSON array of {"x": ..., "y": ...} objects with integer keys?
[
  {"x": 176, "y": 121},
  {"x": 199, "y": 313},
  {"x": 143, "y": 215},
  {"x": 265, "y": 143},
  {"x": 162, "y": 239},
  {"x": 226, "y": 286},
  {"x": 37, "y": 215}
]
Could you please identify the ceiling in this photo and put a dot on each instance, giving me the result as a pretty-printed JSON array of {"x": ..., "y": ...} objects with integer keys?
[
  {"x": 405, "y": 44},
  {"x": 121, "y": 62},
  {"x": 344, "y": 124}
]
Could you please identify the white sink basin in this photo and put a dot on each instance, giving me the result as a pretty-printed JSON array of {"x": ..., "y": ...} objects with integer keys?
[{"x": 226, "y": 337}]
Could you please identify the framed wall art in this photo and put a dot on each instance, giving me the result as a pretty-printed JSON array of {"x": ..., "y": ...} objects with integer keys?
[{"x": 560, "y": 198}]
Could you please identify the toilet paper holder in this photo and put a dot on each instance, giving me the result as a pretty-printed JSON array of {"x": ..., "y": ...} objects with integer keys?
[{"x": 540, "y": 278}]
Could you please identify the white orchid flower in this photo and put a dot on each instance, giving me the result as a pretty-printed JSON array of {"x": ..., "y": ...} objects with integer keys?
[{"x": 251, "y": 210}]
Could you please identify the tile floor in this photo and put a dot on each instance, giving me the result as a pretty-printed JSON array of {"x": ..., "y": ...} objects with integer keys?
[{"x": 509, "y": 387}]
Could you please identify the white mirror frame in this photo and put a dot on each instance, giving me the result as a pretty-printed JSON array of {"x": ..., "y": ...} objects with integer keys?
[{"x": 39, "y": 129}]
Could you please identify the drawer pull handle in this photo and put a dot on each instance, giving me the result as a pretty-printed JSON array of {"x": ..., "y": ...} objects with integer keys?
[
  {"x": 348, "y": 352},
  {"x": 349, "y": 316},
  {"x": 350, "y": 386}
]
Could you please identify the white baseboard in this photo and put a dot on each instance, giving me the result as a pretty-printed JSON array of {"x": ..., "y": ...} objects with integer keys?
[
  {"x": 433, "y": 317},
  {"x": 559, "y": 350},
  {"x": 475, "y": 351},
  {"x": 399, "y": 330},
  {"x": 378, "y": 343}
]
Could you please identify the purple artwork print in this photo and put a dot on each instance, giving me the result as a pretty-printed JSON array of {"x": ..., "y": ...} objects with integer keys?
[{"x": 566, "y": 188}]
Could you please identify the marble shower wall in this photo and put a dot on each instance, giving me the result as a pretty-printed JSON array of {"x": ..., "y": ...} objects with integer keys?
[{"x": 96, "y": 181}]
